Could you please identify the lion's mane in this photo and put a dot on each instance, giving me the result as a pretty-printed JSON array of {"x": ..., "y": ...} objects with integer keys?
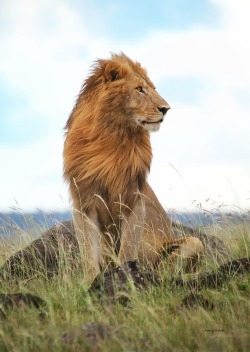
[{"x": 103, "y": 154}]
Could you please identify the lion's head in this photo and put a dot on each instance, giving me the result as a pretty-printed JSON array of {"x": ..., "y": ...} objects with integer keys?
[{"x": 121, "y": 86}]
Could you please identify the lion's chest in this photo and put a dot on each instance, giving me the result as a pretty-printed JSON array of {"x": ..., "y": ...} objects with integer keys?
[{"x": 124, "y": 172}]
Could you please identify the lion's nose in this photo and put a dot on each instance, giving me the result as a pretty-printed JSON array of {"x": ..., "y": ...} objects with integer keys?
[{"x": 163, "y": 109}]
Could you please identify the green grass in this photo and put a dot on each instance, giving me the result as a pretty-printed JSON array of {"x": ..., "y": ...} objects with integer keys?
[{"x": 154, "y": 320}]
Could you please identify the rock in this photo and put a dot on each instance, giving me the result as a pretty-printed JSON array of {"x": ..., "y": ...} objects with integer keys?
[{"x": 116, "y": 283}]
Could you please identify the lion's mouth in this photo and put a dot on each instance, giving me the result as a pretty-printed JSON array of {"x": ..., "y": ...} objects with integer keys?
[{"x": 151, "y": 122}]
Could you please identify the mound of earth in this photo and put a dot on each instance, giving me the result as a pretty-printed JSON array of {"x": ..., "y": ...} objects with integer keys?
[
  {"x": 45, "y": 254},
  {"x": 216, "y": 279}
]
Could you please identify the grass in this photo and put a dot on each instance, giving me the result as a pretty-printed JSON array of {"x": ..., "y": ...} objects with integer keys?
[{"x": 154, "y": 319}]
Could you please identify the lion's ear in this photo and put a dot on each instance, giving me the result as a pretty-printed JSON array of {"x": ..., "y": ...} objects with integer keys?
[
  {"x": 111, "y": 73},
  {"x": 114, "y": 75}
]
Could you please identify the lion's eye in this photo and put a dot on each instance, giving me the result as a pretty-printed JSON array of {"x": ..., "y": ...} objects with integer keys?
[{"x": 140, "y": 90}]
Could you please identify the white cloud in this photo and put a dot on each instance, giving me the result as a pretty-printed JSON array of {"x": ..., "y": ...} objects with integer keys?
[
  {"x": 46, "y": 57},
  {"x": 209, "y": 186},
  {"x": 202, "y": 154},
  {"x": 32, "y": 176}
]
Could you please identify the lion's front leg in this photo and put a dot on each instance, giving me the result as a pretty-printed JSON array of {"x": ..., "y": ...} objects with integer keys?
[
  {"x": 89, "y": 239},
  {"x": 132, "y": 230}
]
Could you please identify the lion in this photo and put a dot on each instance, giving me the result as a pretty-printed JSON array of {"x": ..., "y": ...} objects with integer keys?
[{"x": 107, "y": 156}]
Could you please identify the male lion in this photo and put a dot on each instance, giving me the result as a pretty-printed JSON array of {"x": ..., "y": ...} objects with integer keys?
[{"x": 107, "y": 155}]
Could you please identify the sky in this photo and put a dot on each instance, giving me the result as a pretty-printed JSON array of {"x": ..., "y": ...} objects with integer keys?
[{"x": 197, "y": 53}]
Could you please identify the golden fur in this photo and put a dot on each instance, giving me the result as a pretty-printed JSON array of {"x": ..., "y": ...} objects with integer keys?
[{"x": 107, "y": 156}]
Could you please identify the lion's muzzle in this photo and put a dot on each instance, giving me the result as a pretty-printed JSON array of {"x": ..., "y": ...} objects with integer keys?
[{"x": 164, "y": 109}]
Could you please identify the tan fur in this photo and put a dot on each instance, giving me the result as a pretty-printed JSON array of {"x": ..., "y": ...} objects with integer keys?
[{"x": 107, "y": 156}]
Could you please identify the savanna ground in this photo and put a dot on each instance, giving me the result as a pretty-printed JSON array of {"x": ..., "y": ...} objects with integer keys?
[{"x": 158, "y": 318}]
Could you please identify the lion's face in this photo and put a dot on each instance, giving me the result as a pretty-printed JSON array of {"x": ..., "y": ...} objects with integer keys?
[
  {"x": 128, "y": 88},
  {"x": 146, "y": 107},
  {"x": 120, "y": 94}
]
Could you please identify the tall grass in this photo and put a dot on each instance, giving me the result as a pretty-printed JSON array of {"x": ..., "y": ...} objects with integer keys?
[{"x": 154, "y": 319}]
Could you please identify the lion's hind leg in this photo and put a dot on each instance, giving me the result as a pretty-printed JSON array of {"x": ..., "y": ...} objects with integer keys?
[{"x": 184, "y": 254}]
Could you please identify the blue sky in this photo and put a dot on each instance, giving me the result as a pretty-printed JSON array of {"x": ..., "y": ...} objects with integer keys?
[
  {"x": 195, "y": 53},
  {"x": 135, "y": 19}
]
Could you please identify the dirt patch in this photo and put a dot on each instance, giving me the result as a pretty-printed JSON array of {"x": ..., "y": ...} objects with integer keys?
[
  {"x": 12, "y": 301},
  {"x": 92, "y": 332},
  {"x": 194, "y": 300}
]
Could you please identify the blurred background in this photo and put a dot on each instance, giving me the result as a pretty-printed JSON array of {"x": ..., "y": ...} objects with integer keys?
[{"x": 197, "y": 53}]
